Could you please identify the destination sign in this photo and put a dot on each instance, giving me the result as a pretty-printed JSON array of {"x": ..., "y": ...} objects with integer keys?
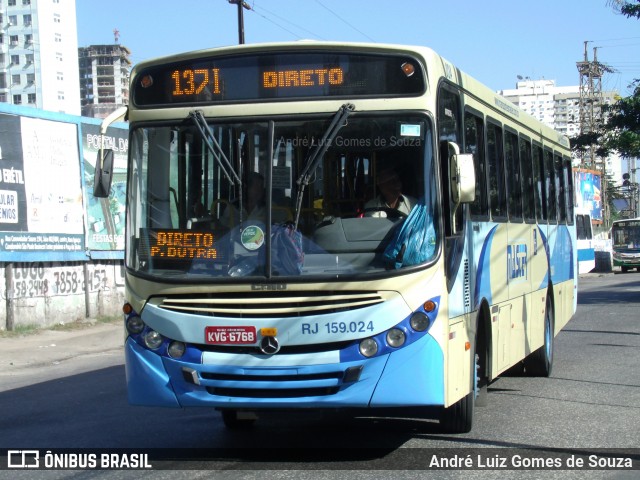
[
  {"x": 182, "y": 246},
  {"x": 187, "y": 245},
  {"x": 262, "y": 76}
]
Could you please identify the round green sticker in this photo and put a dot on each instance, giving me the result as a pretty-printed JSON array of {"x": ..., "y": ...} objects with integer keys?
[{"x": 252, "y": 237}]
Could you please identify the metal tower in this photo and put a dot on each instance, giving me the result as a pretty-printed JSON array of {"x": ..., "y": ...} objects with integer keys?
[
  {"x": 590, "y": 104},
  {"x": 592, "y": 119}
]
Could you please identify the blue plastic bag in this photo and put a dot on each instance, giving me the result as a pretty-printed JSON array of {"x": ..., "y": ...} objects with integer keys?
[
  {"x": 287, "y": 254},
  {"x": 414, "y": 242}
]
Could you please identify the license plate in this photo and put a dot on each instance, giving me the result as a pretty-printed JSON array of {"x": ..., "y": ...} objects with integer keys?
[{"x": 230, "y": 335}]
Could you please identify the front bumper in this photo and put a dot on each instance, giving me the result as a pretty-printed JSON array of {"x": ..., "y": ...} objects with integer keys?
[{"x": 410, "y": 376}]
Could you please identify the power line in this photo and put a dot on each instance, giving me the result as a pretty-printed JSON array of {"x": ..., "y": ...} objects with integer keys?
[
  {"x": 614, "y": 39},
  {"x": 285, "y": 20},
  {"x": 344, "y": 21},
  {"x": 618, "y": 45},
  {"x": 275, "y": 23}
]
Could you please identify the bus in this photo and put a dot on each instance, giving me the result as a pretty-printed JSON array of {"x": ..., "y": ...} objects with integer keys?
[
  {"x": 260, "y": 278},
  {"x": 625, "y": 243},
  {"x": 584, "y": 241}
]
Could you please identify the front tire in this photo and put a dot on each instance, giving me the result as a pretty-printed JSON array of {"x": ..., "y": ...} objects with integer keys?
[
  {"x": 458, "y": 418},
  {"x": 540, "y": 362}
]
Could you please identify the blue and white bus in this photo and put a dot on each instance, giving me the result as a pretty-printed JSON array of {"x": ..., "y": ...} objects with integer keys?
[
  {"x": 258, "y": 274},
  {"x": 585, "y": 241}
]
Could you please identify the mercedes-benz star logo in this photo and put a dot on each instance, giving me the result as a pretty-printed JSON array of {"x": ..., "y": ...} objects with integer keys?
[{"x": 269, "y": 345}]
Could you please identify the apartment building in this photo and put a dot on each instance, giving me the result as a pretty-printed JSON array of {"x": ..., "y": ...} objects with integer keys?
[{"x": 39, "y": 55}]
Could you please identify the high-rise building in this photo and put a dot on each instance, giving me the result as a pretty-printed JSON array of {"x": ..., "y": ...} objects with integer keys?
[
  {"x": 104, "y": 78},
  {"x": 558, "y": 107},
  {"x": 39, "y": 54}
]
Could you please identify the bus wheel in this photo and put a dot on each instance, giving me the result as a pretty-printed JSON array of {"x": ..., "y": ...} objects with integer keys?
[
  {"x": 235, "y": 420},
  {"x": 539, "y": 363},
  {"x": 624, "y": 269},
  {"x": 482, "y": 384},
  {"x": 458, "y": 418}
]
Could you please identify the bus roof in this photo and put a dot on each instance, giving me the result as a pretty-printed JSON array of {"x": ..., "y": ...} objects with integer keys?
[{"x": 441, "y": 66}]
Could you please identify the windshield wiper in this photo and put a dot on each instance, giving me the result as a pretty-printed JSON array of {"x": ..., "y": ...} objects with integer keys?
[
  {"x": 316, "y": 155},
  {"x": 214, "y": 147},
  {"x": 216, "y": 151}
]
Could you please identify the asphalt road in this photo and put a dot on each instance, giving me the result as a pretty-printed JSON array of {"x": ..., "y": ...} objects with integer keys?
[{"x": 590, "y": 403}]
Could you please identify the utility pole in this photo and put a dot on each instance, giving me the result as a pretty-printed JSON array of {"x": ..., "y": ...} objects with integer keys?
[{"x": 241, "y": 5}]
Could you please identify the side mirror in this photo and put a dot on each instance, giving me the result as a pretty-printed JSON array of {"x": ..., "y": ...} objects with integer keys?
[
  {"x": 463, "y": 176},
  {"x": 104, "y": 162},
  {"x": 103, "y": 174}
]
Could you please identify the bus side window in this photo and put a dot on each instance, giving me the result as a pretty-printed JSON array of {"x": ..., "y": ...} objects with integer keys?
[
  {"x": 528, "y": 185},
  {"x": 449, "y": 125},
  {"x": 579, "y": 227},
  {"x": 474, "y": 144},
  {"x": 568, "y": 181},
  {"x": 561, "y": 190},
  {"x": 450, "y": 130},
  {"x": 495, "y": 160},
  {"x": 513, "y": 176},
  {"x": 550, "y": 187},
  {"x": 539, "y": 185}
]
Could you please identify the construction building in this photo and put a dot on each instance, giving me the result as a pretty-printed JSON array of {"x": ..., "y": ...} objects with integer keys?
[{"x": 104, "y": 79}]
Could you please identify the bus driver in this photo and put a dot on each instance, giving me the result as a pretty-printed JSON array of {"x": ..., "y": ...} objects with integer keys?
[{"x": 391, "y": 196}]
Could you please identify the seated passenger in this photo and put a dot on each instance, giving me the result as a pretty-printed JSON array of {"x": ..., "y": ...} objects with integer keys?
[{"x": 391, "y": 196}]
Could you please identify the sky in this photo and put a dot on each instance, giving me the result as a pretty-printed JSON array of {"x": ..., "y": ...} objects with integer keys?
[{"x": 494, "y": 41}]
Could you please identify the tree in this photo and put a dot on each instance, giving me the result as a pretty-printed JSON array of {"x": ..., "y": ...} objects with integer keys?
[
  {"x": 622, "y": 129},
  {"x": 628, "y": 9}
]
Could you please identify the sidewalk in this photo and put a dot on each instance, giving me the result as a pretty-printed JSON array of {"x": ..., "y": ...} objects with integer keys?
[{"x": 24, "y": 357}]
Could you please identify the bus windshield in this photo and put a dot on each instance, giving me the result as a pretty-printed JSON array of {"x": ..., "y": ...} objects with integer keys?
[
  {"x": 626, "y": 235},
  {"x": 224, "y": 199}
]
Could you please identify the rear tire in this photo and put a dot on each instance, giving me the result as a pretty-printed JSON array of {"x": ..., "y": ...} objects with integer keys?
[
  {"x": 482, "y": 383},
  {"x": 481, "y": 367},
  {"x": 540, "y": 362}
]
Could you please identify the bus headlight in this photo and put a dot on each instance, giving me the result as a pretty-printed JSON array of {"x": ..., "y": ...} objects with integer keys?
[
  {"x": 135, "y": 325},
  {"x": 396, "y": 337},
  {"x": 419, "y": 322},
  {"x": 368, "y": 347},
  {"x": 176, "y": 349},
  {"x": 153, "y": 339}
]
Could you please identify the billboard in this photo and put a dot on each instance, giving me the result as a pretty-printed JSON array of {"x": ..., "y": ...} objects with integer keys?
[
  {"x": 47, "y": 208},
  {"x": 105, "y": 216},
  {"x": 588, "y": 188}
]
